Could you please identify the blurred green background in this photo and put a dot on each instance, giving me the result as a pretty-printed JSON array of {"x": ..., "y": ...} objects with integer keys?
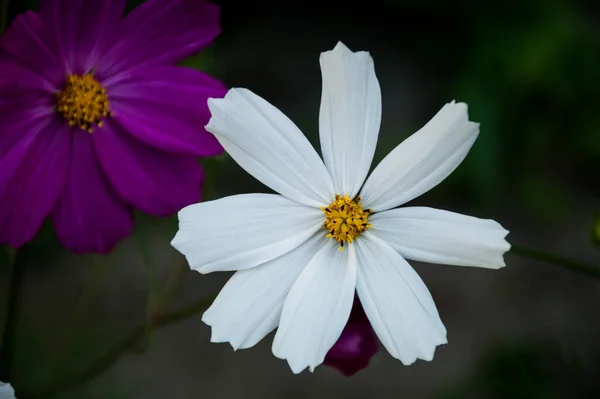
[{"x": 530, "y": 72}]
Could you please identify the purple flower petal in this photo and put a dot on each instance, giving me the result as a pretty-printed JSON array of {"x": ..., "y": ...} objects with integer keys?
[
  {"x": 33, "y": 175},
  {"x": 356, "y": 346},
  {"x": 155, "y": 182},
  {"x": 16, "y": 79},
  {"x": 82, "y": 30},
  {"x": 165, "y": 107},
  {"x": 26, "y": 43},
  {"x": 20, "y": 114},
  {"x": 17, "y": 141},
  {"x": 161, "y": 32},
  {"x": 23, "y": 114},
  {"x": 89, "y": 215}
]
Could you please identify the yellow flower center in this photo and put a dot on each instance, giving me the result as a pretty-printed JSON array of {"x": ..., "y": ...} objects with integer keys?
[
  {"x": 83, "y": 102},
  {"x": 345, "y": 219}
]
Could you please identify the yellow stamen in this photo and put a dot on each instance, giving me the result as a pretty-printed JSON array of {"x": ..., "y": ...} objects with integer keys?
[
  {"x": 83, "y": 102},
  {"x": 345, "y": 219}
]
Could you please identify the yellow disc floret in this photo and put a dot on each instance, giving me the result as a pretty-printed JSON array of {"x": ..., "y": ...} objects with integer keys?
[
  {"x": 345, "y": 219},
  {"x": 83, "y": 102}
]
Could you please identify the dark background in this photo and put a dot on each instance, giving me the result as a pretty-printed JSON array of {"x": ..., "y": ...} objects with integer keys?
[{"x": 530, "y": 72}]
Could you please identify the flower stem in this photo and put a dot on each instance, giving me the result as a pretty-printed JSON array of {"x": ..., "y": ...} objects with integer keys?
[
  {"x": 559, "y": 260},
  {"x": 125, "y": 345},
  {"x": 161, "y": 319},
  {"x": 80, "y": 319},
  {"x": 172, "y": 283}
]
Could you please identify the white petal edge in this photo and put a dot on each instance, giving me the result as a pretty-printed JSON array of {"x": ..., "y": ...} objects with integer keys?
[
  {"x": 243, "y": 231},
  {"x": 269, "y": 146},
  {"x": 317, "y": 308},
  {"x": 397, "y": 302},
  {"x": 438, "y": 236},
  {"x": 349, "y": 117},
  {"x": 423, "y": 160},
  {"x": 249, "y": 305},
  {"x": 6, "y": 391}
]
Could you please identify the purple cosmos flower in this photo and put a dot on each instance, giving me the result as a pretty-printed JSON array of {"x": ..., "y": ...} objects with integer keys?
[
  {"x": 356, "y": 346},
  {"x": 97, "y": 119}
]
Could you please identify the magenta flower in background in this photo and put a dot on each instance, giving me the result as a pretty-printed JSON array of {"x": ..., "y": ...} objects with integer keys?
[
  {"x": 97, "y": 120},
  {"x": 356, "y": 346}
]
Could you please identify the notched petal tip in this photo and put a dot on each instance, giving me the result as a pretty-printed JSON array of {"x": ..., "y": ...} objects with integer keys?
[
  {"x": 428, "y": 356},
  {"x": 460, "y": 113},
  {"x": 220, "y": 336},
  {"x": 214, "y": 102},
  {"x": 179, "y": 239},
  {"x": 341, "y": 47},
  {"x": 234, "y": 91},
  {"x": 218, "y": 106},
  {"x": 297, "y": 368},
  {"x": 462, "y": 108},
  {"x": 504, "y": 247},
  {"x": 216, "y": 337},
  {"x": 341, "y": 51},
  {"x": 187, "y": 212},
  {"x": 459, "y": 107}
]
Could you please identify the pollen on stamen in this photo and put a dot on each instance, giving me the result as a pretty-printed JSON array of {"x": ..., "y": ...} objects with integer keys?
[
  {"x": 345, "y": 219},
  {"x": 83, "y": 102}
]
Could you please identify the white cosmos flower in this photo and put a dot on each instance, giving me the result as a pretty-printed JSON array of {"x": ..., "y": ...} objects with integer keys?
[
  {"x": 291, "y": 274},
  {"x": 6, "y": 391}
]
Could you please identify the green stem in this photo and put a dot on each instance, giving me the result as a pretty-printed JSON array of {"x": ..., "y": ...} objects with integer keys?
[
  {"x": 568, "y": 263},
  {"x": 182, "y": 313},
  {"x": 160, "y": 302},
  {"x": 125, "y": 345},
  {"x": 160, "y": 319},
  {"x": 78, "y": 322},
  {"x": 172, "y": 283},
  {"x": 147, "y": 258}
]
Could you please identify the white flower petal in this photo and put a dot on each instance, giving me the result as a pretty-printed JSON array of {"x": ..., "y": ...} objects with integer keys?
[
  {"x": 268, "y": 145},
  {"x": 350, "y": 116},
  {"x": 421, "y": 161},
  {"x": 317, "y": 308},
  {"x": 249, "y": 305},
  {"x": 6, "y": 391},
  {"x": 438, "y": 236},
  {"x": 243, "y": 231},
  {"x": 397, "y": 302}
]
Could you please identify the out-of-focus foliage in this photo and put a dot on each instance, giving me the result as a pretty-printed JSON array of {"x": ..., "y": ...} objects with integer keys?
[
  {"x": 532, "y": 77},
  {"x": 531, "y": 370},
  {"x": 529, "y": 72}
]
